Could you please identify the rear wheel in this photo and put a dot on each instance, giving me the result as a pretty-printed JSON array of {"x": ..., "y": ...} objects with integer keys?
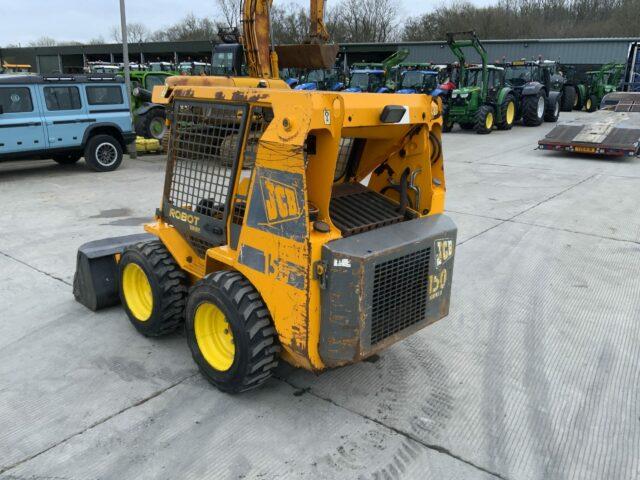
[
  {"x": 447, "y": 125},
  {"x": 591, "y": 104},
  {"x": 103, "y": 153},
  {"x": 485, "y": 120},
  {"x": 507, "y": 113},
  {"x": 230, "y": 332},
  {"x": 153, "y": 289},
  {"x": 67, "y": 158},
  {"x": 533, "y": 110},
  {"x": 568, "y": 98},
  {"x": 552, "y": 112}
]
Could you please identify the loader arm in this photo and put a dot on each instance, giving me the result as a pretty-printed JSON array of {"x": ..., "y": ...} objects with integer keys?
[
  {"x": 459, "y": 40},
  {"x": 318, "y": 32},
  {"x": 262, "y": 61}
]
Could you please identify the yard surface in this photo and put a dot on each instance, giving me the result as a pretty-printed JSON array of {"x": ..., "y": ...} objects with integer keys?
[{"x": 534, "y": 374}]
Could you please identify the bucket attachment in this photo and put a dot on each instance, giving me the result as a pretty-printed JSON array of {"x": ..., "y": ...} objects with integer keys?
[
  {"x": 311, "y": 56},
  {"x": 95, "y": 284}
]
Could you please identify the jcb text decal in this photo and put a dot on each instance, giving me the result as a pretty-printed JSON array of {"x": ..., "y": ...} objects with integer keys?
[
  {"x": 444, "y": 251},
  {"x": 280, "y": 202}
]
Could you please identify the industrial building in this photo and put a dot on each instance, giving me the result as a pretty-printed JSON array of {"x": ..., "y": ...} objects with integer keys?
[{"x": 582, "y": 52}]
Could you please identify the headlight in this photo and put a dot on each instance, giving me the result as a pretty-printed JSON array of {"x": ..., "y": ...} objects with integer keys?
[
  {"x": 464, "y": 95},
  {"x": 454, "y": 95}
]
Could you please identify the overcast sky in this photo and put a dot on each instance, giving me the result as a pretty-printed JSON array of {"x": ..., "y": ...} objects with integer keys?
[{"x": 81, "y": 20}]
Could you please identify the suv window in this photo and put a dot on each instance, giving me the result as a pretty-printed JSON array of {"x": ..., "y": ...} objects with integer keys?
[
  {"x": 62, "y": 98},
  {"x": 15, "y": 100},
  {"x": 104, "y": 95}
]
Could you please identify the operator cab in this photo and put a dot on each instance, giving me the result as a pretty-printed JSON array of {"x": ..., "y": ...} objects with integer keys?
[
  {"x": 418, "y": 81},
  {"x": 372, "y": 81}
]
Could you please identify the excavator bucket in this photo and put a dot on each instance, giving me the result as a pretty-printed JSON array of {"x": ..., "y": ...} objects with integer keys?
[{"x": 311, "y": 56}]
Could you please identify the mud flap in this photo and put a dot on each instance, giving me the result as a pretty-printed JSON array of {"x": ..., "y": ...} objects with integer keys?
[{"x": 95, "y": 283}]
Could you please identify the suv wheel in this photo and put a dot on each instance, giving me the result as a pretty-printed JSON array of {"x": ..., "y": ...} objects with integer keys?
[{"x": 103, "y": 153}]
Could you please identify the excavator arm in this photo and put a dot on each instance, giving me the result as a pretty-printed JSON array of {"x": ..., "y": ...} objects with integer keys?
[
  {"x": 318, "y": 32},
  {"x": 262, "y": 61}
]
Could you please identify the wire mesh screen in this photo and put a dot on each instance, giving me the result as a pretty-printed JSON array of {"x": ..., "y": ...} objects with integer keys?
[{"x": 206, "y": 140}]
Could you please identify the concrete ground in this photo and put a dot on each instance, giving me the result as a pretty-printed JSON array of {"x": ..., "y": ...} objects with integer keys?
[{"x": 534, "y": 375}]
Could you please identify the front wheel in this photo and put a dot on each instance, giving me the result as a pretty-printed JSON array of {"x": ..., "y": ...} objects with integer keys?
[
  {"x": 507, "y": 113},
  {"x": 230, "y": 332},
  {"x": 591, "y": 104},
  {"x": 484, "y": 120},
  {"x": 533, "y": 110},
  {"x": 152, "y": 124},
  {"x": 103, "y": 153},
  {"x": 552, "y": 112},
  {"x": 153, "y": 288}
]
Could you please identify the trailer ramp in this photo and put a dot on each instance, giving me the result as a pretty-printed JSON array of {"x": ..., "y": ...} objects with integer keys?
[{"x": 613, "y": 130}]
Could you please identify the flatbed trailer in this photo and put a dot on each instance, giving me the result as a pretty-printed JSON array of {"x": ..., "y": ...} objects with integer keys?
[{"x": 613, "y": 130}]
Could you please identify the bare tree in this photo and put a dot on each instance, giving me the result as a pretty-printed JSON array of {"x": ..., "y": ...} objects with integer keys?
[
  {"x": 230, "y": 10},
  {"x": 99, "y": 40},
  {"x": 136, "y": 33},
  {"x": 43, "y": 42},
  {"x": 189, "y": 28},
  {"x": 365, "y": 21}
]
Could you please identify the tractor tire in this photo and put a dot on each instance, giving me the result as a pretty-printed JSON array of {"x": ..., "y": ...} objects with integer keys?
[
  {"x": 103, "y": 153},
  {"x": 447, "y": 126},
  {"x": 507, "y": 113},
  {"x": 467, "y": 126},
  {"x": 66, "y": 158},
  {"x": 152, "y": 124},
  {"x": 578, "y": 103},
  {"x": 568, "y": 98},
  {"x": 533, "y": 110},
  {"x": 591, "y": 105},
  {"x": 485, "y": 120},
  {"x": 153, "y": 289},
  {"x": 230, "y": 332},
  {"x": 552, "y": 110}
]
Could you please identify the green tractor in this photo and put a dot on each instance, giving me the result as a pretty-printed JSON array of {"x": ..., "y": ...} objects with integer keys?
[
  {"x": 481, "y": 100},
  {"x": 600, "y": 82},
  {"x": 376, "y": 77},
  {"x": 149, "y": 118}
]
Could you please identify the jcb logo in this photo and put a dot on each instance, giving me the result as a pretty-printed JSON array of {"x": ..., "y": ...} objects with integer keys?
[
  {"x": 280, "y": 201},
  {"x": 444, "y": 251}
]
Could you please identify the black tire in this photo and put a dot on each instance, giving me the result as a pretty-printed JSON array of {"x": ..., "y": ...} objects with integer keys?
[
  {"x": 256, "y": 347},
  {"x": 579, "y": 101},
  {"x": 568, "y": 98},
  {"x": 507, "y": 116},
  {"x": 533, "y": 110},
  {"x": 485, "y": 120},
  {"x": 103, "y": 153},
  {"x": 591, "y": 105},
  {"x": 447, "y": 125},
  {"x": 467, "y": 126},
  {"x": 152, "y": 124},
  {"x": 552, "y": 110},
  {"x": 67, "y": 158},
  {"x": 168, "y": 288}
]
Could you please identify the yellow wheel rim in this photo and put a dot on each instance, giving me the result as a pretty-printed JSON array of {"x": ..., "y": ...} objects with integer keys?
[
  {"x": 137, "y": 291},
  {"x": 488, "y": 121},
  {"x": 511, "y": 113},
  {"x": 589, "y": 104},
  {"x": 575, "y": 101},
  {"x": 214, "y": 336}
]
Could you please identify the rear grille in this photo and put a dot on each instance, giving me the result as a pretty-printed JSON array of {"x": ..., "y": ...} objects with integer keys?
[
  {"x": 355, "y": 209},
  {"x": 400, "y": 293}
]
